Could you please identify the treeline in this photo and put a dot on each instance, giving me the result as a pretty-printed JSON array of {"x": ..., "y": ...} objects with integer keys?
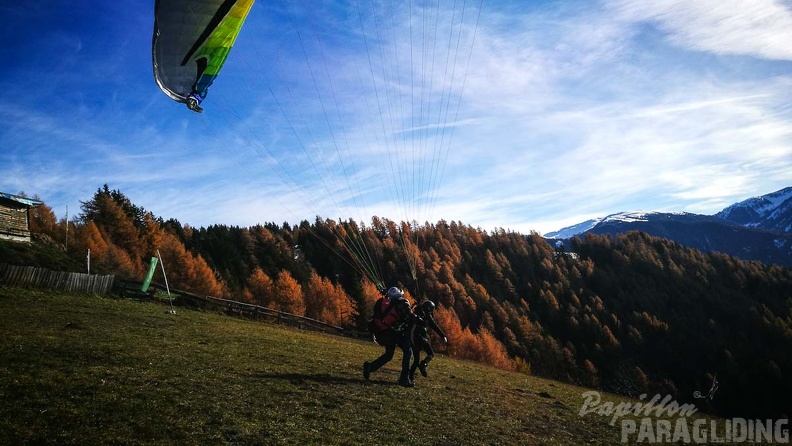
[{"x": 632, "y": 314}]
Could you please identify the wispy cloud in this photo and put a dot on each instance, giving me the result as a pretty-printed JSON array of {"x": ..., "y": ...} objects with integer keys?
[
  {"x": 758, "y": 28},
  {"x": 666, "y": 139}
]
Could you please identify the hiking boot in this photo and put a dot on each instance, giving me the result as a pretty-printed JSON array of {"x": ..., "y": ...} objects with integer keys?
[
  {"x": 406, "y": 383},
  {"x": 366, "y": 370},
  {"x": 422, "y": 368}
]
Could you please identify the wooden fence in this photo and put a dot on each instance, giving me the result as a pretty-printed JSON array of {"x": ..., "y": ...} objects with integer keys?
[
  {"x": 236, "y": 308},
  {"x": 32, "y": 277}
]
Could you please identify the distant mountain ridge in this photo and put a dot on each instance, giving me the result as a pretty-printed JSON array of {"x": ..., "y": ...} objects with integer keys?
[
  {"x": 772, "y": 211},
  {"x": 758, "y": 228},
  {"x": 571, "y": 231}
]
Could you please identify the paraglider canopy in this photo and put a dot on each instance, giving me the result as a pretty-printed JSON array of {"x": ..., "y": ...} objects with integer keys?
[{"x": 191, "y": 42}]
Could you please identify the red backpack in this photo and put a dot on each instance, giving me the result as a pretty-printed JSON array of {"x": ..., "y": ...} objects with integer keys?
[{"x": 385, "y": 315}]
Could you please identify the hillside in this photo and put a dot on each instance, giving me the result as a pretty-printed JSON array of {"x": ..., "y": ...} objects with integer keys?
[
  {"x": 705, "y": 233},
  {"x": 42, "y": 253},
  {"x": 89, "y": 370},
  {"x": 630, "y": 313}
]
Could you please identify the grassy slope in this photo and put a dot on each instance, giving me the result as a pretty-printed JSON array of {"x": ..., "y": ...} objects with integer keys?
[
  {"x": 89, "y": 370},
  {"x": 37, "y": 254}
]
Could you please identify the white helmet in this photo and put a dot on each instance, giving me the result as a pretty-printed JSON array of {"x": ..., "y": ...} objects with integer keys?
[{"x": 395, "y": 293}]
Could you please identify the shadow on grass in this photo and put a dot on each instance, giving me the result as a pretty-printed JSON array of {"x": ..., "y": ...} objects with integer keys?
[{"x": 321, "y": 378}]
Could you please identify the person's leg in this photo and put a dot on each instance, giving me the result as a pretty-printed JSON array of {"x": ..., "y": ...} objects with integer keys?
[
  {"x": 404, "y": 344},
  {"x": 383, "y": 359},
  {"x": 421, "y": 344},
  {"x": 416, "y": 351},
  {"x": 429, "y": 355}
]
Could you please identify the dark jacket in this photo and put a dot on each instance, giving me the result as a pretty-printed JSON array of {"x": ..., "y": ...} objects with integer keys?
[
  {"x": 405, "y": 313},
  {"x": 424, "y": 321}
]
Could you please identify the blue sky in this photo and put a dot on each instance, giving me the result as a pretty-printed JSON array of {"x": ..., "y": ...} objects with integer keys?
[{"x": 517, "y": 115}]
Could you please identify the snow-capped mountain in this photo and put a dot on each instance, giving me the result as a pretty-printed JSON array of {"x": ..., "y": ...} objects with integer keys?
[
  {"x": 571, "y": 231},
  {"x": 755, "y": 229},
  {"x": 621, "y": 217},
  {"x": 772, "y": 211},
  {"x": 588, "y": 225}
]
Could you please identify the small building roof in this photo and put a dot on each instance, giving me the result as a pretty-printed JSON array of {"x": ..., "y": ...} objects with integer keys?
[{"x": 22, "y": 200}]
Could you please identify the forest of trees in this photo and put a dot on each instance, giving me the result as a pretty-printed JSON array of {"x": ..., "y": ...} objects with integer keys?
[{"x": 632, "y": 314}]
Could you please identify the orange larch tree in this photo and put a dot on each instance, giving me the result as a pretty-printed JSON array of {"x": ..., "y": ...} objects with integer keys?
[
  {"x": 42, "y": 220},
  {"x": 326, "y": 302},
  {"x": 187, "y": 272},
  {"x": 106, "y": 257},
  {"x": 260, "y": 288},
  {"x": 288, "y": 294}
]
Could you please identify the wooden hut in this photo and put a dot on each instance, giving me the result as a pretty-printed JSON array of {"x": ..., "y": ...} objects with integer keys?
[{"x": 14, "y": 223}]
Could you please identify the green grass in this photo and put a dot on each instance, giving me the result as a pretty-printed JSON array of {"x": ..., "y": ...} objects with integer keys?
[
  {"x": 37, "y": 254},
  {"x": 88, "y": 370}
]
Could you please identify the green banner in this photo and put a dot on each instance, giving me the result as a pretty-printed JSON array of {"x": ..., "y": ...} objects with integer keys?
[{"x": 149, "y": 275}]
